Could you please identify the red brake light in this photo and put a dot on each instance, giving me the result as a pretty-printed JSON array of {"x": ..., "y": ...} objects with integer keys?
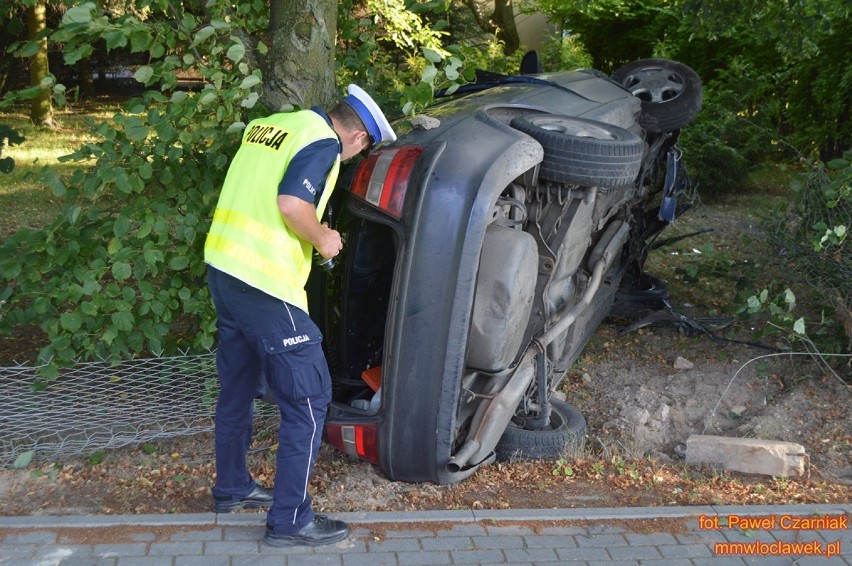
[
  {"x": 360, "y": 440},
  {"x": 382, "y": 178}
]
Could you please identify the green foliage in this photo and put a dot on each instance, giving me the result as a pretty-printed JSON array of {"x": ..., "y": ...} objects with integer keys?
[
  {"x": 734, "y": 131},
  {"x": 401, "y": 47},
  {"x": 96, "y": 459},
  {"x": 780, "y": 308},
  {"x": 817, "y": 95},
  {"x": 797, "y": 78},
  {"x": 23, "y": 460},
  {"x": 391, "y": 48},
  {"x": 772, "y": 70},
  {"x": 821, "y": 210},
  {"x": 832, "y": 237},
  {"x": 613, "y": 32},
  {"x": 812, "y": 229},
  {"x": 619, "y": 464},
  {"x": 120, "y": 272},
  {"x": 562, "y": 468},
  {"x": 403, "y": 23},
  {"x": 776, "y": 86},
  {"x": 51, "y": 472},
  {"x": 837, "y": 193},
  {"x": 715, "y": 166},
  {"x": 24, "y": 201},
  {"x": 789, "y": 27},
  {"x": 565, "y": 53},
  {"x": 786, "y": 323}
]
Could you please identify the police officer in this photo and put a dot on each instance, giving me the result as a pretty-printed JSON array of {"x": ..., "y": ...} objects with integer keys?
[{"x": 264, "y": 230}]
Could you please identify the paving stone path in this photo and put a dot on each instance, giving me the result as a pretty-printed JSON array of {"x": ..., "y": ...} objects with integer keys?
[{"x": 794, "y": 534}]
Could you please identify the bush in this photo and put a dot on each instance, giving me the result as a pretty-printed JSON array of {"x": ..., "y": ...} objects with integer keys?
[
  {"x": 730, "y": 138},
  {"x": 120, "y": 273},
  {"x": 812, "y": 233}
]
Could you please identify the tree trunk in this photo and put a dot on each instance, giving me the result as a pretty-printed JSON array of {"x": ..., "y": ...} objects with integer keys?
[
  {"x": 501, "y": 22},
  {"x": 101, "y": 62},
  {"x": 87, "y": 85},
  {"x": 299, "y": 66},
  {"x": 41, "y": 112},
  {"x": 504, "y": 20}
]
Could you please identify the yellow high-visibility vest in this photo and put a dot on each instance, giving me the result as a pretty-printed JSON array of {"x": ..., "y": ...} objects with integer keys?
[{"x": 248, "y": 238}]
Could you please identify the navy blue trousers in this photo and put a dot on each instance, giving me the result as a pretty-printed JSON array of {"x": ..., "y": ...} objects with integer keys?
[{"x": 258, "y": 333}]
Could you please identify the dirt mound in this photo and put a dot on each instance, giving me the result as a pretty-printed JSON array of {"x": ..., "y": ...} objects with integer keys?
[{"x": 667, "y": 387}]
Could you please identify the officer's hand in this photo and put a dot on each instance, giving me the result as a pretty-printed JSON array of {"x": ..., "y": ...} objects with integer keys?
[{"x": 331, "y": 243}]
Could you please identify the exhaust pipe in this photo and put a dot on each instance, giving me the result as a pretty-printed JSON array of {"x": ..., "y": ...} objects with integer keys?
[{"x": 493, "y": 416}]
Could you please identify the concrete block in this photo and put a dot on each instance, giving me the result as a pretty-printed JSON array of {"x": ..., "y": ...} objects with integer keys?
[{"x": 748, "y": 455}]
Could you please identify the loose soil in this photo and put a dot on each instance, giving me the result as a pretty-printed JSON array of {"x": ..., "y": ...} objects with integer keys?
[{"x": 643, "y": 393}]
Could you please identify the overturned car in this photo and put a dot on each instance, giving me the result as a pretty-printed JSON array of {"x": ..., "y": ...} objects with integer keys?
[{"x": 483, "y": 249}]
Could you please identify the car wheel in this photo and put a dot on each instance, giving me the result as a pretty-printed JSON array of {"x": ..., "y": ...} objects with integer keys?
[
  {"x": 565, "y": 434},
  {"x": 671, "y": 92},
  {"x": 583, "y": 152}
]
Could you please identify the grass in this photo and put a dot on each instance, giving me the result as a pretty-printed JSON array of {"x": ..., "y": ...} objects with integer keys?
[
  {"x": 718, "y": 270},
  {"x": 24, "y": 201},
  {"x": 732, "y": 258}
]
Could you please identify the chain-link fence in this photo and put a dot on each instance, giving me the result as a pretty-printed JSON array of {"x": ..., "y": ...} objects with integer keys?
[
  {"x": 99, "y": 405},
  {"x": 820, "y": 203}
]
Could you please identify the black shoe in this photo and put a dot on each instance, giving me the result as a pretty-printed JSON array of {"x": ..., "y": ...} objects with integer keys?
[
  {"x": 318, "y": 532},
  {"x": 258, "y": 497}
]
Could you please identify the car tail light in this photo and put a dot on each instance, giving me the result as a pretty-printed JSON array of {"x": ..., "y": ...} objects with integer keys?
[
  {"x": 359, "y": 440},
  {"x": 382, "y": 178}
]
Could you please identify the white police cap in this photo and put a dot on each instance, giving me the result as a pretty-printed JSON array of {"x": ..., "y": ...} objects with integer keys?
[{"x": 371, "y": 115}]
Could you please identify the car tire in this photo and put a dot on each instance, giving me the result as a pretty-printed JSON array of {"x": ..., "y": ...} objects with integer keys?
[
  {"x": 565, "y": 435},
  {"x": 671, "y": 92},
  {"x": 583, "y": 152}
]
